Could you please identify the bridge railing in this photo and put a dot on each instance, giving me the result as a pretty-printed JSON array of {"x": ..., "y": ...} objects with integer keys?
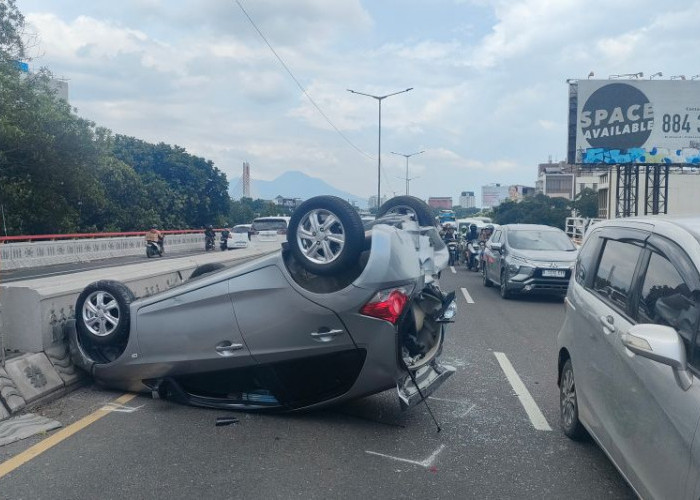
[
  {"x": 576, "y": 227},
  {"x": 17, "y": 252}
]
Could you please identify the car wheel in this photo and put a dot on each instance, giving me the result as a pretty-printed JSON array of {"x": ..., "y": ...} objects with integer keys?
[
  {"x": 102, "y": 312},
  {"x": 408, "y": 205},
  {"x": 206, "y": 269},
  {"x": 568, "y": 404},
  {"x": 326, "y": 235},
  {"x": 505, "y": 290},
  {"x": 487, "y": 281}
]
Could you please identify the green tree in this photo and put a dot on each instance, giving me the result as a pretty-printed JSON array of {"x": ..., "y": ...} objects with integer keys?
[
  {"x": 586, "y": 203},
  {"x": 12, "y": 46}
]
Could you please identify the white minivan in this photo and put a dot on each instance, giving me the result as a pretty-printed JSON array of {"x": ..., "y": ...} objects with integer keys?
[{"x": 271, "y": 228}]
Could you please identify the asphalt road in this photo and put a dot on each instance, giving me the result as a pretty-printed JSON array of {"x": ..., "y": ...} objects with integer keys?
[{"x": 488, "y": 447}]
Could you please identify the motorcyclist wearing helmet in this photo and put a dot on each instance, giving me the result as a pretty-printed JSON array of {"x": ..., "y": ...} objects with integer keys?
[
  {"x": 154, "y": 235},
  {"x": 448, "y": 233},
  {"x": 472, "y": 234},
  {"x": 486, "y": 233},
  {"x": 209, "y": 237}
]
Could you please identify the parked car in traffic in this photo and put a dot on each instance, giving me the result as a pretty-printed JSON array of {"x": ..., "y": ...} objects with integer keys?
[
  {"x": 269, "y": 228},
  {"x": 528, "y": 258},
  {"x": 629, "y": 351},
  {"x": 342, "y": 310}
]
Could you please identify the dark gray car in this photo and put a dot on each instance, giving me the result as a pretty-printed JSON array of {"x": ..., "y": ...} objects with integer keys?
[
  {"x": 528, "y": 258},
  {"x": 629, "y": 351},
  {"x": 341, "y": 311}
]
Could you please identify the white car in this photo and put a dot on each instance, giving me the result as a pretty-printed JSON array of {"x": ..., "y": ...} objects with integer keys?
[
  {"x": 272, "y": 228},
  {"x": 239, "y": 237}
]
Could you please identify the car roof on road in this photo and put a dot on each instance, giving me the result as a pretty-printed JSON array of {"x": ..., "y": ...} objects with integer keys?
[
  {"x": 531, "y": 227},
  {"x": 661, "y": 223}
]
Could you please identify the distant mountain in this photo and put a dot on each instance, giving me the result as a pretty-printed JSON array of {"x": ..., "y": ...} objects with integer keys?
[{"x": 297, "y": 185}]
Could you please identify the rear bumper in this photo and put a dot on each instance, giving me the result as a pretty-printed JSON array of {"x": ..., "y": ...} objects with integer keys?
[{"x": 428, "y": 378}]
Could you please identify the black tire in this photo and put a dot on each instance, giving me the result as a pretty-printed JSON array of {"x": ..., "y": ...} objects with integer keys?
[
  {"x": 102, "y": 315},
  {"x": 568, "y": 405},
  {"x": 408, "y": 205},
  {"x": 487, "y": 282},
  {"x": 325, "y": 245},
  {"x": 206, "y": 269},
  {"x": 505, "y": 291},
  {"x": 150, "y": 252}
]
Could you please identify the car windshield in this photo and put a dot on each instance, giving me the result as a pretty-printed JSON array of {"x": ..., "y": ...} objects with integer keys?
[
  {"x": 525, "y": 239},
  {"x": 240, "y": 229},
  {"x": 269, "y": 225}
]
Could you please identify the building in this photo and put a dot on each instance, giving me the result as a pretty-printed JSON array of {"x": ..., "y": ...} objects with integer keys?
[
  {"x": 493, "y": 194},
  {"x": 467, "y": 199},
  {"x": 682, "y": 198},
  {"x": 444, "y": 202},
  {"x": 517, "y": 192},
  {"x": 287, "y": 202},
  {"x": 565, "y": 181},
  {"x": 373, "y": 201}
]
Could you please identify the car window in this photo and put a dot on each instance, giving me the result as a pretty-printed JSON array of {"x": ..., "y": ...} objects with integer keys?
[
  {"x": 269, "y": 225},
  {"x": 529, "y": 239},
  {"x": 586, "y": 258},
  {"x": 239, "y": 229},
  {"x": 496, "y": 237},
  {"x": 613, "y": 278},
  {"x": 667, "y": 300}
]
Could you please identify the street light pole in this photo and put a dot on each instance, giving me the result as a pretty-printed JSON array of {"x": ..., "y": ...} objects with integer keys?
[
  {"x": 407, "y": 157},
  {"x": 379, "y": 98}
]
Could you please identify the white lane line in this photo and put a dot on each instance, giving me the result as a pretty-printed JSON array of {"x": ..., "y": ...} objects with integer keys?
[
  {"x": 120, "y": 408},
  {"x": 467, "y": 297},
  {"x": 468, "y": 411},
  {"x": 452, "y": 268},
  {"x": 531, "y": 408},
  {"x": 428, "y": 462}
]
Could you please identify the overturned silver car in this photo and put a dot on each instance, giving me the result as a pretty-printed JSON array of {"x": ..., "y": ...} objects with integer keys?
[{"x": 342, "y": 311}]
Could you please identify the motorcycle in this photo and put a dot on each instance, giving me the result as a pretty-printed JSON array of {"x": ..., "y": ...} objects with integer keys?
[
  {"x": 154, "y": 248},
  {"x": 453, "y": 249},
  {"x": 223, "y": 244},
  {"x": 475, "y": 250},
  {"x": 209, "y": 242}
]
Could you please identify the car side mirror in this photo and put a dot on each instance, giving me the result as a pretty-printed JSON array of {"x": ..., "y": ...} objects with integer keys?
[
  {"x": 659, "y": 343},
  {"x": 497, "y": 247}
]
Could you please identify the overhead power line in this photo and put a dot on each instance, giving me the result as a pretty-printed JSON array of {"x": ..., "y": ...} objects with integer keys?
[{"x": 299, "y": 84}]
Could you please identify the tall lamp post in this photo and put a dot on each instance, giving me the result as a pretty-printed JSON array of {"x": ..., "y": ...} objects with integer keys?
[
  {"x": 407, "y": 157},
  {"x": 379, "y": 99}
]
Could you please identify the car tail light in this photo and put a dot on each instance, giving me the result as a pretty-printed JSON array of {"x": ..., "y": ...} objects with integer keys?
[{"x": 387, "y": 304}]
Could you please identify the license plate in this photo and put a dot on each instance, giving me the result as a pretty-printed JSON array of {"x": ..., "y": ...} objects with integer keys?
[{"x": 553, "y": 273}]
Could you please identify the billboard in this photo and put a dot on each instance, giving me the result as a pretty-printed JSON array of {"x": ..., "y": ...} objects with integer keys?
[
  {"x": 493, "y": 195},
  {"x": 634, "y": 121}
]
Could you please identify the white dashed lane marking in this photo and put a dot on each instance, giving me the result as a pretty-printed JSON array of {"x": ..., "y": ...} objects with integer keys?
[
  {"x": 467, "y": 297},
  {"x": 533, "y": 411},
  {"x": 452, "y": 268}
]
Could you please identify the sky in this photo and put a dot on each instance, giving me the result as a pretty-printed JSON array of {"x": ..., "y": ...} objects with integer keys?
[{"x": 489, "y": 95}]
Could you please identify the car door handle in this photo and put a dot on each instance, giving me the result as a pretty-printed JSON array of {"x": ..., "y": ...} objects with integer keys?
[
  {"x": 608, "y": 323},
  {"x": 229, "y": 348},
  {"x": 325, "y": 334}
]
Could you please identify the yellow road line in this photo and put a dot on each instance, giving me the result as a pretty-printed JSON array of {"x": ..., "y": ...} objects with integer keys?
[{"x": 51, "y": 441}]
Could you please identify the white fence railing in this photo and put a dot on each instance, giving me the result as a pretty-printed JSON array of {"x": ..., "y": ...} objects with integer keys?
[{"x": 46, "y": 253}]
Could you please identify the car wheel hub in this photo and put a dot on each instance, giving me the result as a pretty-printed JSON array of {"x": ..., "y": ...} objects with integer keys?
[
  {"x": 321, "y": 236},
  {"x": 101, "y": 314},
  {"x": 568, "y": 399}
]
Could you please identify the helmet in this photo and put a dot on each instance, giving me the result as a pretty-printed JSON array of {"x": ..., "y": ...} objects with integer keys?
[
  {"x": 489, "y": 227},
  {"x": 154, "y": 227},
  {"x": 209, "y": 226},
  {"x": 473, "y": 227}
]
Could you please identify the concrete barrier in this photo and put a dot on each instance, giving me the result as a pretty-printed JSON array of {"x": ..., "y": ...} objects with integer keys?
[
  {"x": 47, "y": 253},
  {"x": 36, "y": 312}
]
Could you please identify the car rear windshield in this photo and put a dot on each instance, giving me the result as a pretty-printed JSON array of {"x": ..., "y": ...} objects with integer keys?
[
  {"x": 523, "y": 239},
  {"x": 240, "y": 229},
  {"x": 269, "y": 225}
]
